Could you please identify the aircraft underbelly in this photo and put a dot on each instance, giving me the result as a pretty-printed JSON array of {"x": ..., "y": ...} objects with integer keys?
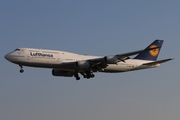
[{"x": 117, "y": 68}]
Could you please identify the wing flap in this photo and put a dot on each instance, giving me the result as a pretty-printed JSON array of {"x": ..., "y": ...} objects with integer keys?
[
  {"x": 121, "y": 56},
  {"x": 99, "y": 63}
]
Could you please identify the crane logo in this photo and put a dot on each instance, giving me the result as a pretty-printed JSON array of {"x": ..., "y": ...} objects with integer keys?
[{"x": 155, "y": 51}]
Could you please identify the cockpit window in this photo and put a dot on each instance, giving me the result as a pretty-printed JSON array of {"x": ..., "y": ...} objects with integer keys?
[{"x": 17, "y": 50}]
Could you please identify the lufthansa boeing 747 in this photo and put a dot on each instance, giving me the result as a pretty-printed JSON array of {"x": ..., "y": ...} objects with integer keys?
[{"x": 68, "y": 64}]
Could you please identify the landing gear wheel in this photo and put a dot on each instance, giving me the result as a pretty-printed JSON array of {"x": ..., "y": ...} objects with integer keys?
[
  {"x": 77, "y": 78},
  {"x": 92, "y": 75},
  {"x": 88, "y": 77},
  {"x": 85, "y": 76},
  {"x": 21, "y": 71}
]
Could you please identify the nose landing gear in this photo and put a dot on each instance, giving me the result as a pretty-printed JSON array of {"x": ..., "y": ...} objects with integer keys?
[{"x": 21, "y": 70}]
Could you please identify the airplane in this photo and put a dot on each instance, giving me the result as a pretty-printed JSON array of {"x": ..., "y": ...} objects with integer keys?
[{"x": 69, "y": 64}]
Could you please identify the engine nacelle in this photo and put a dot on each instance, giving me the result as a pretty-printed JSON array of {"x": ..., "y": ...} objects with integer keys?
[
  {"x": 111, "y": 59},
  {"x": 82, "y": 65},
  {"x": 114, "y": 59},
  {"x": 63, "y": 73}
]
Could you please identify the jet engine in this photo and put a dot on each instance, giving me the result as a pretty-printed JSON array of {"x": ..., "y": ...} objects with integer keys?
[
  {"x": 111, "y": 59},
  {"x": 82, "y": 65},
  {"x": 63, "y": 73},
  {"x": 114, "y": 59}
]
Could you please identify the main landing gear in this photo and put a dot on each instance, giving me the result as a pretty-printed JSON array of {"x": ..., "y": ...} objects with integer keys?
[
  {"x": 87, "y": 75},
  {"x": 77, "y": 76},
  {"x": 21, "y": 70}
]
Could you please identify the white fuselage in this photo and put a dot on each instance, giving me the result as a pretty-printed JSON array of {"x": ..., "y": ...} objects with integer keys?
[{"x": 52, "y": 58}]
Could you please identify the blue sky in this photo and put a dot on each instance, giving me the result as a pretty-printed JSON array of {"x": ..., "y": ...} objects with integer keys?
[{"x": 98, "y": 28}]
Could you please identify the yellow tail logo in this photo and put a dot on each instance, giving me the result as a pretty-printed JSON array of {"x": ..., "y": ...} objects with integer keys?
[{"x": 155, "y": 51}]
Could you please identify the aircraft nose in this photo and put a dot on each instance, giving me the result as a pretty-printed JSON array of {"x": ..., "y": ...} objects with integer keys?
[{"x": 6, "y": 56}]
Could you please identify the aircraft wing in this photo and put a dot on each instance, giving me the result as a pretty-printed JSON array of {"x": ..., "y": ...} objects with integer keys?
[
  {"x": 158, "y": 62},
  {"x": 98, "y": 64},
  {"x": 114, "y": 59}
]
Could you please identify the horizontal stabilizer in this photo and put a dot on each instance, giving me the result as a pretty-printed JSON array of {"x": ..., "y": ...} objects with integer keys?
[{"x": 158, "y": 62}]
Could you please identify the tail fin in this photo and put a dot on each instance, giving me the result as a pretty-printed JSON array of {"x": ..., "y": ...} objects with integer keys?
[{"x": 151, "y": 54}]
